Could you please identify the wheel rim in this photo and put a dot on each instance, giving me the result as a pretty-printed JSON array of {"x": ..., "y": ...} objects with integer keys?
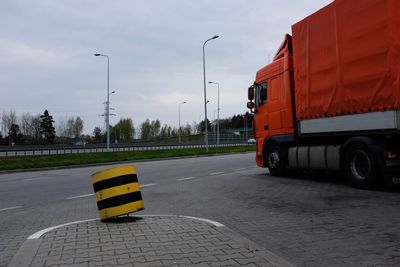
[
  {"x": 360, "y": 165},
  {"x": 273, "y": 159}
]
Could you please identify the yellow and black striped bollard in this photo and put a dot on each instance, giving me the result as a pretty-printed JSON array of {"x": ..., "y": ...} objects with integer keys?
[{"x": 117, "y": 191}]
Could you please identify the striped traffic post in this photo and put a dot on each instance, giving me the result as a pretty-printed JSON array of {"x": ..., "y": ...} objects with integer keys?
[{"x": 117, "y": 191}]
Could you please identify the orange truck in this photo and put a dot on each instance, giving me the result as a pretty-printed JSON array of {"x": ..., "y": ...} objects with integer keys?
[{"x": 330, "y": 99}]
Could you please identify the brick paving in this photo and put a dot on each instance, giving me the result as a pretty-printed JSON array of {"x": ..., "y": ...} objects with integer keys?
[{"x": 146, "y": 241}]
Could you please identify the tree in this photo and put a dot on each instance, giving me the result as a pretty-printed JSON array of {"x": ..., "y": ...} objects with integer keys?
[
  {"x": 72, "y": 127},
  {"x": 164, "y": 131},
  {"x": 77, "y": 127},
  {"x": 29, "y": 127},
  {"x": 124, "y": 130},
  {"x": 69, "y": 130},
  {"x": 97, "y": 136},
  {"x": 187, "y": 130},
  {"x": 14, "y": 133},
  {"x": 7, "y": 119},
  {"x": 150, "y": 129},
  {"x": 201, "y": 128},
  {"x": 145, "y": 129},
  {"x": 35, "y": 128},
  {"x": 25, "y": 123},
  {"x": 47, "y": 129},
  {"x": 155, "y": 128}
]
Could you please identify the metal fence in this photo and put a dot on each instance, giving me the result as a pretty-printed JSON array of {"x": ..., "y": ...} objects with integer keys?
[{"x": 57, "y": 150}]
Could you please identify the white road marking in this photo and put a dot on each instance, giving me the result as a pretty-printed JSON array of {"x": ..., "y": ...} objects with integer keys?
[
  {"x": 216, "y": 173},
  {"x": 216, "y": 224},
  {"x": 11, "y": 208},
  {"x": 38, "y": 234},
  {"x": 87, "y": 195},
  {"x": 185, "y": 179},
  {"x": 34, "y": 179},
  {"x": 240, "y": 169},
  {"x": 147, "y": 185}
]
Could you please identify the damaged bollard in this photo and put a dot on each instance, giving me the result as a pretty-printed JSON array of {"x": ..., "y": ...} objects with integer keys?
[{"x": 117, "y": 191}]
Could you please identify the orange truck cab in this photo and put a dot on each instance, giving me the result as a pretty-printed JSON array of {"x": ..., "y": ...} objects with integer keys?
[
  {"x": 330, "y": 99},
  {"x": 273, "y": 100}
]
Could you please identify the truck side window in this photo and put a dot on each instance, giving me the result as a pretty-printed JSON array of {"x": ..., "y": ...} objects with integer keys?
[{"x": 261, "y": 94}]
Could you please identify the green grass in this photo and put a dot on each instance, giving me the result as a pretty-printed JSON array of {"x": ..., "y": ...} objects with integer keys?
[{"x": 33, "y": 162}]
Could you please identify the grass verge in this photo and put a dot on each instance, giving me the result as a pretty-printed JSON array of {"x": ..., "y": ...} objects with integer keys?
[{"x": 33, "y": 162}]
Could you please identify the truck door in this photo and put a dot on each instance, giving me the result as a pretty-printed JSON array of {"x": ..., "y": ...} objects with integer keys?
[
  {"x": 274, "y": 104},
  {"x": 261, "y": 119}
]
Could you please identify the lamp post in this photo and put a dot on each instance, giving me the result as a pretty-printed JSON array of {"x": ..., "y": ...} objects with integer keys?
[
  {"x": 179, "y": 129},
  {"x": 108, "y": 99},
  {"x": 217, "y": 113},
  {"x": 205, "y": 93},
  {"x": 215, "y": 128},
  {"x": 245, "y": 126}
]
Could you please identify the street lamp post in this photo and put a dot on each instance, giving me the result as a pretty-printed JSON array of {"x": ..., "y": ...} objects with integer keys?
[
  {"x": 215, "y": 128},
  {"x": 205, "y": 89},
  {"x": 179, "y": 111},
  {"x": 245, "y": 126},
  {"x": 217, "y": 113},
  {"x": 108, "y": 99}
]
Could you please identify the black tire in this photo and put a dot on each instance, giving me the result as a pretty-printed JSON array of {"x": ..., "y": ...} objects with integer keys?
[
  {"x": 361, "y": 167},
  {"x": 275, "y": 159}
]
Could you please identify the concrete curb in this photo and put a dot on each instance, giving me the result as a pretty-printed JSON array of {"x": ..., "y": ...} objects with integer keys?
[{"x": 28, "y": 250}]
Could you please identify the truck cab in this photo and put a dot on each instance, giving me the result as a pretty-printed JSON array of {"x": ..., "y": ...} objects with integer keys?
[{"x": 272, "y": 93}]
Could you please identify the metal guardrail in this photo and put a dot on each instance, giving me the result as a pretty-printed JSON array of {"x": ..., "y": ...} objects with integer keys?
[{"x": 18, "y": 152}]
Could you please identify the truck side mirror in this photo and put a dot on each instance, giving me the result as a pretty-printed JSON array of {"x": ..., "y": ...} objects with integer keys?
[
  {"x": 250, "y": 105},
  {"x": 250, "y": 93}
]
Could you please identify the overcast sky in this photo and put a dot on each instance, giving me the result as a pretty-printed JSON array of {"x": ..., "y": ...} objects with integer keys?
[{"x": 155, "y": 49}]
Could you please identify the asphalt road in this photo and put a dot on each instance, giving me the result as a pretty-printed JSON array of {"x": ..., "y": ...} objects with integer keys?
[{"x": 310, "y": 220}]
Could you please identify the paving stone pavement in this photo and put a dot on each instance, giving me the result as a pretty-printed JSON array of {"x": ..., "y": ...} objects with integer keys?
[{"x": 144, "y": 241}]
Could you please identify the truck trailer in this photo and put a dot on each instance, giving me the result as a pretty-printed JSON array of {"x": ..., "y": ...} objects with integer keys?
[{"x": 330, "y": 99}]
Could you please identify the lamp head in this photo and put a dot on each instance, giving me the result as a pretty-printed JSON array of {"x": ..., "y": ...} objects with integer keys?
[
  {"x": 97, "y": 55},
  {"x": 215, "y": 37}
]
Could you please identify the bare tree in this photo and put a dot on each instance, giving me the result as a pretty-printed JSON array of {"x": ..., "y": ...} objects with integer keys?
[
  {"x": 70, "y": 127},
  {"x": 187, "y": 130},
  {"x": 35, "y": 128},
  {"x": 62, "y": 127},
  {"x": 25, "y": 123},
  {"x": 8, "y": 119},
  {"x": 77, "y": 127}
]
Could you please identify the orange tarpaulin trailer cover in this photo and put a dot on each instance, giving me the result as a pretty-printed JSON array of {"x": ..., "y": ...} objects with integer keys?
[{"x": 347, "y": 59}]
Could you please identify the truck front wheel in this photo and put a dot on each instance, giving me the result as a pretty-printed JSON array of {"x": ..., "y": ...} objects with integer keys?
[
  {"x": 276, "y": 159},
  {"x": 361, "y": 167}
]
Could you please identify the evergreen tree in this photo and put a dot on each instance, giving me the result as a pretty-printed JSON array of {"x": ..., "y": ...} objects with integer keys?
[
  {"x": 201, "y": 127},
  {"x": 46, "y": 127},
  {"x": 14, "y": 133},
  {"x": 97, "y": 136}
]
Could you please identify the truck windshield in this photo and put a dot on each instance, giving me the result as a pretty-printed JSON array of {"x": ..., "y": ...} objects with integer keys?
[{"x": 261, "y": 94}]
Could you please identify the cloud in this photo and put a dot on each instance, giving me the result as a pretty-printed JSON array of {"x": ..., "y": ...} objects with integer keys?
[{"x": 155, "y": 48}]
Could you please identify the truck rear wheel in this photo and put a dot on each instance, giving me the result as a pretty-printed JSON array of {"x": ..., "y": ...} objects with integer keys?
[
  {"x": 276, "y": 159},
  {"x": 361, "y": 167}
]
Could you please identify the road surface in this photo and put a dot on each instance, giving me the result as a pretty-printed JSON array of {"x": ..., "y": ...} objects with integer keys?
[{"x": 309, "y": 220}]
